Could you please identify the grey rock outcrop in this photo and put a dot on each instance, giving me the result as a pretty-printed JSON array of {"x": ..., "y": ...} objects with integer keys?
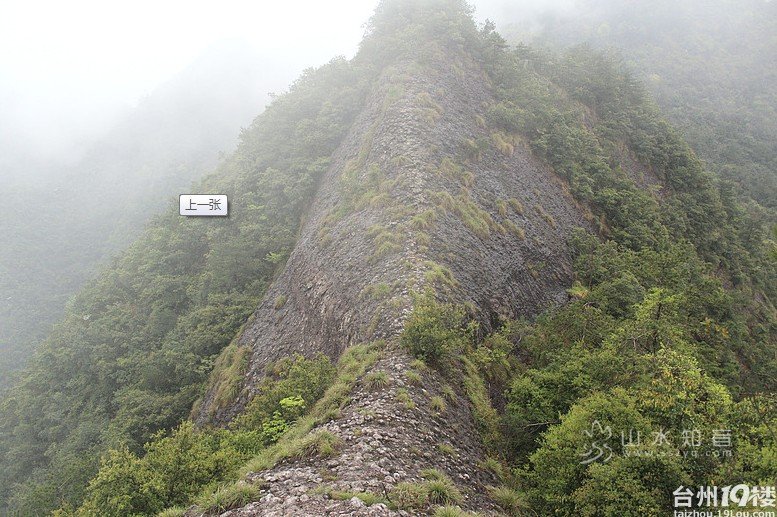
[{"x": 411, "y": 199}]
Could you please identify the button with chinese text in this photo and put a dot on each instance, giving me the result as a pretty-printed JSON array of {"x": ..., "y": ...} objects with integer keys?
[{"x": 203, "y": 205}]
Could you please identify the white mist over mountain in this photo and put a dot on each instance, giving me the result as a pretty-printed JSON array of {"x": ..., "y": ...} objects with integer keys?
[{"x": 70, "y": 70}]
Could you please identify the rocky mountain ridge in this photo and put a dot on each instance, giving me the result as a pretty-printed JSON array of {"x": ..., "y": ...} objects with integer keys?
[
  {"x": 396, "y": 213},
  {"x": 490, "y": 233},
  {"x": 445, "y": 257}
]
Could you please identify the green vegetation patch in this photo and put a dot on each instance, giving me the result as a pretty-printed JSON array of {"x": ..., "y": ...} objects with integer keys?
[
  {"x": 353, "y": 364},
  {"x": 434, "y": 332},
  {"x": 510, "y": 500},
  {"x": 413, "y": 377},
  {"x": 431, "y": 110},
  {"x": 439, "y": 276},
  {"x": 228, "y": 497},
  {"x": 438, "y": 404},
  {"x": 437, "y": 489},
  {"x": 385, "y": 240},
  {"x": 297, "y": 395},
  {"x": 377, "y": 380},
  {"x": 377, "y": 291},
  {"x": 228, "y": 374},
  {"x": 291, "y": 385},
  {"x": 403, "y": 397},
  {"x": 477, "y": 220},
  {"x": 455, "y": 171}
]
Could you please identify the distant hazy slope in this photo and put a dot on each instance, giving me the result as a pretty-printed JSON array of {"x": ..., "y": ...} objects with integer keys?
[
  {"x": 159, "y": 314},
  {"x": 55, "y": 234},
  {"x": 712, "y": 67}
]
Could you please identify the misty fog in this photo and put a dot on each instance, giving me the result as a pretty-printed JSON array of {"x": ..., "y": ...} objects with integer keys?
[{"x": 69, "y": 76}]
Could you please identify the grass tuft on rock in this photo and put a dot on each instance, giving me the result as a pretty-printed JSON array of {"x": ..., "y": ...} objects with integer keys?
[
  {"x": 228, "y": 497},
  {"x": 377, "y": 380},
  {"x": 509, "y": 500}
]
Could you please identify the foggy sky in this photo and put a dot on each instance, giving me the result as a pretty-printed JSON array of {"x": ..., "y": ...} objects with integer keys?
[{"x": 69, "y": 69}]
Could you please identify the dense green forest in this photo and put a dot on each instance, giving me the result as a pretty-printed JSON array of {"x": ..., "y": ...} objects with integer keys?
[
  {"x": 670, "y": 324},
  {"x": 710, "y": 65},
  {"x": 136, "y": 344}
]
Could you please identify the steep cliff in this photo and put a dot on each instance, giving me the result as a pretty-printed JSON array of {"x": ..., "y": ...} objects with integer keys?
[
  {"x": 457, "y": 180},
  {"x": 403, "y": 207},
  {"x": 407, "y": 205}
]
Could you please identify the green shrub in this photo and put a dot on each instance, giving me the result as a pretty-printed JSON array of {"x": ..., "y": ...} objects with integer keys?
[
  {"x": 385, "y": 241},
  {"x": 424, "y": 220},
  {"x": 449, "y": 393},
  {"x": 418, "y": 365},
  {"x": 509, "y": 500},
  {"x": 377, "y": 380},
  {"x": 298, "y": 381},
  {"x": 437, "y": 489},
  {"x": 319, "y": 443},
  {"x": 437, "y": 404},
  {"x": 413, "y": 377},
  {"x": 404, "y": 398},
  {"x": 291, "y": 408},
  {"x": 229, "y": 497},
  {"x": 429, "y": 474},
  {"x": 475, "y": 218},
  {"x": 377, "y": 291},
  {"x": 439, "y": 275},
  {"x": 175, "y": 511},
  {"x": 408, "y": 496},
  {"x": 440, "y": 492},
  {"x": 174, "y": 469},
  {"x": 124, "y": 486},
  {"x": 434, "y": 332},
  {"x": 494, "y": 466},
  {"x": 280, "y": 301}
]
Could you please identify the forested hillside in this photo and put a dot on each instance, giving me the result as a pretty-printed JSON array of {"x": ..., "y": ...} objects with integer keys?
[
  {"x": 58, "y": 232},
  {"x": 439, "y": 157},
  {"x": 710, "y": 65},
  {"x": 135, "y": 345}
]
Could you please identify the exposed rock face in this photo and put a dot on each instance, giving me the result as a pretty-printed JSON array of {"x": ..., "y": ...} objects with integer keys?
[
  {"x": 385, "y": 442},
  {"x": 322, "y": 302},
  {"x": 396, "y": 213}
]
